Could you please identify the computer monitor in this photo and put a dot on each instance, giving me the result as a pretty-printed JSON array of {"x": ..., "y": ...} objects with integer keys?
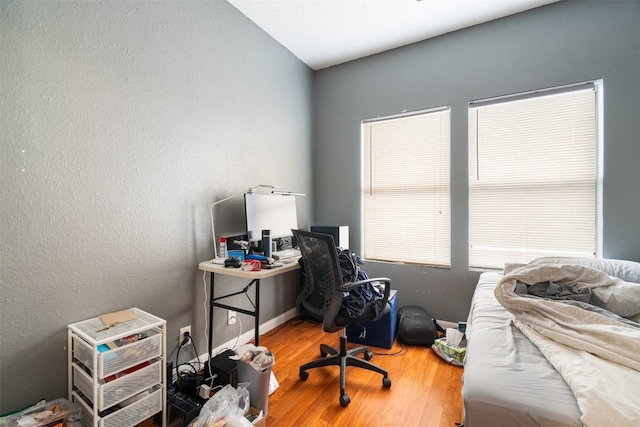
[{"x": 270, "y": 212}]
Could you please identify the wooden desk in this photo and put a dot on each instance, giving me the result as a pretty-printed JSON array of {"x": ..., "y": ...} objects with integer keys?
[{"x": 255, "y": 277}]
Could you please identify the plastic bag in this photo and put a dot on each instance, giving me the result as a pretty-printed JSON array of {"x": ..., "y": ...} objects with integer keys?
[
  {"x": 449, "y": 359},
  {"x": 226, "y": 408},
  {"x": 222, "y": 421},
  {"x": 260, "y": 358}
]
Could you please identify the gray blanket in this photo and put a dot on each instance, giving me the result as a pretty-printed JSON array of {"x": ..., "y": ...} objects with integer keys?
[
  {"x": 555, "y": 291},
  {"x": 596, "y": 350},
  {"x": 572, "y": 295}
]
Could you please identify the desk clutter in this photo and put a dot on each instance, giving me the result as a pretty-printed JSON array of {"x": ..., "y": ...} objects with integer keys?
[
  {"x": 235, "y": 252},
  {"x": 229, "y": 408},
  {"x": 236, "y": 386}
]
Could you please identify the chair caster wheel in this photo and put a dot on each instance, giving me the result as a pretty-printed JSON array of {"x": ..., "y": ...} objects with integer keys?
[
  {"x": 386, "y": 382},
  {"x": 344, "y": 400},
  {"x": 368, "y": 355},
  {"x": 304, "y": 375}
]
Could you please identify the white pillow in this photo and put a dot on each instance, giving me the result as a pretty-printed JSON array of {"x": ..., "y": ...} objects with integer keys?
[{"x": 629, "y": 271}]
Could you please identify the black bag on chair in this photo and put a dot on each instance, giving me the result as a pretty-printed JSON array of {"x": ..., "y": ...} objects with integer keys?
[{"x": 416, "y": 326}]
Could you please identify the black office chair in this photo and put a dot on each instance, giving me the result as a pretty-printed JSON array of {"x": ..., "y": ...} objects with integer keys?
[{"x": 323, "y": 275}]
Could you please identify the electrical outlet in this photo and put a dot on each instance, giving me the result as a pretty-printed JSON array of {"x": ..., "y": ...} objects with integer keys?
[
  {"x": 186, "y": 329},
  {"x": 231, "y": 317}
]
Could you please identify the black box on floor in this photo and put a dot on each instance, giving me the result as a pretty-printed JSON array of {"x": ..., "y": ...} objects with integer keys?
[
  {"x": 183, "y": 406},
  {"x": 223, "y": 370}
]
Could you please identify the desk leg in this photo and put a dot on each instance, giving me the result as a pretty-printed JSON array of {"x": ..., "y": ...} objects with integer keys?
[
  {"x": 257, "y": 313},
  {"x": 210, "y": 349}
]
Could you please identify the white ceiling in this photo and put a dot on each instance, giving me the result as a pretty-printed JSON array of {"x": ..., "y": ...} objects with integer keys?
[{"x": 323, "y": 33}]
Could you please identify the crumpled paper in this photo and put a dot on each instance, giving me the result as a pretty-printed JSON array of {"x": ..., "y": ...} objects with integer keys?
[{"x": 260, "y": 358}]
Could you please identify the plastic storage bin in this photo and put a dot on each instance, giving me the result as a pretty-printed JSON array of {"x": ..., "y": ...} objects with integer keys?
[
  {"x": 116, "y": 360},
  {"x": 117, "y": 390},
  {"x": 258, "y": 384},
  {"x": 130, "y": 415},
  {"x": 382, "y": 332},
  {"x": 117, "y": 374}
]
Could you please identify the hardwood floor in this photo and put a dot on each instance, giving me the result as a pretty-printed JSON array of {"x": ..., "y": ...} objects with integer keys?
[{"x": 425, "y": 390}]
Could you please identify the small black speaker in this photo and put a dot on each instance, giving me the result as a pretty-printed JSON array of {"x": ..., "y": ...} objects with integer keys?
[{"x": 223, "y": 369}]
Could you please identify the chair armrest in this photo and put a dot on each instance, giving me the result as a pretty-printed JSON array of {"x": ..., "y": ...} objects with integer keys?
[{"x": 384, "y": 280}]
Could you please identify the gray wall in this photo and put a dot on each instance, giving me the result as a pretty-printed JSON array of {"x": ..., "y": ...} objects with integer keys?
[
  {"x": 558, "y": 44},
  {"x": 121, "y": 122}
]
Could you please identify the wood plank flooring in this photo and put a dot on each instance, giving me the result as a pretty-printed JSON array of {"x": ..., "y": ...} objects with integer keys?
[{"x": 425, "y": 390}]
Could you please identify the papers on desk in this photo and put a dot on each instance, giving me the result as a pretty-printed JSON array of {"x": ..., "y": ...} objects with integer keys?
[{"x": 286, "y": 254}]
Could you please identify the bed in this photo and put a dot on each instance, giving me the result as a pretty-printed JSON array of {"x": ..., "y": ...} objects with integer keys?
[{"x": 522, "y": 366}]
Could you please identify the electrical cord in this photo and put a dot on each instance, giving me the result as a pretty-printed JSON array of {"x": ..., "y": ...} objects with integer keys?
[
  {"x": 186, "y": 339},
  {"x": 402, "y": 350},
  {"x": 188, "y": 382},
  {"x": 195, "y": 352},
  {"x": 206, "y": 324},
  {"x": 239, "y": 333},
  {"x": 223, "y": 350},
  {"x": 206, "y": 319}
]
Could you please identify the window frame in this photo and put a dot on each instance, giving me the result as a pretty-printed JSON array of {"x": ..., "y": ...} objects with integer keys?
[
  {"x": 397, "y": 242},
  {"x": 595, "y": 86}
]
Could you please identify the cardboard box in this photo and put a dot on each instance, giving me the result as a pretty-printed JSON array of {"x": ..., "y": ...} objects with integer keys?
[{"x": 260, "y": 421}]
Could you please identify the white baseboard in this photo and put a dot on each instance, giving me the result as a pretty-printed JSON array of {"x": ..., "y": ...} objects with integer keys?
[{"x": 250, "y": 334}]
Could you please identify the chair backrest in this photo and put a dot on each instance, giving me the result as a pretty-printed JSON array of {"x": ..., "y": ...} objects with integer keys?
[{"x": 322, "y": 273}]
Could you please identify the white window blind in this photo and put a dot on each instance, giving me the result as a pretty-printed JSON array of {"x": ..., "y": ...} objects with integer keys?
[
  {"x": 406, "y": 199},
  {"x": 533, "y": 177}
]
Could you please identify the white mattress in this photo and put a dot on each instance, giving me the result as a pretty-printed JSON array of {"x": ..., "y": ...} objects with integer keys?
[{"x": 507, "y": 381}]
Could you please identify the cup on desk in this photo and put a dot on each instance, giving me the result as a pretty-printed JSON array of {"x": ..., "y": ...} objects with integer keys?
[{"x": 266, "y": 242}]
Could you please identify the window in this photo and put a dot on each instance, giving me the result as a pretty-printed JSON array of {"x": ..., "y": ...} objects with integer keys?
[
  {"x": 533, "y": 176},
  {"x": 405, "y": 190}
]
